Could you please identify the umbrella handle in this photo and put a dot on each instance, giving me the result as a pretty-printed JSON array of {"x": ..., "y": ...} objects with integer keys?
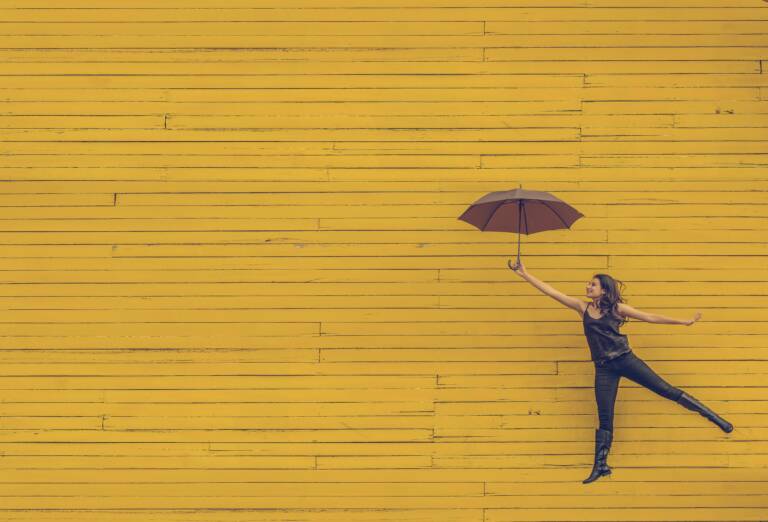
[{"x": 519, "y": 224}]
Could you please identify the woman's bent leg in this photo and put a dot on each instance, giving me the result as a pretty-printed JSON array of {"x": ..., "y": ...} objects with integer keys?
[{"x": 606, "y": 388}]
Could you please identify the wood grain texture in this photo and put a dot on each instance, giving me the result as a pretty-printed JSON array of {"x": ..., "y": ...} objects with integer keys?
[{"x": 235, "y": 287}]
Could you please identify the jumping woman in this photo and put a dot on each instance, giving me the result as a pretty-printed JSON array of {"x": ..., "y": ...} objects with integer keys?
[{"x": 613, "y": 358}]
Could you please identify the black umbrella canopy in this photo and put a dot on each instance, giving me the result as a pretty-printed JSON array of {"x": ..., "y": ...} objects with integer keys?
[{"x": 522, "y": 211}]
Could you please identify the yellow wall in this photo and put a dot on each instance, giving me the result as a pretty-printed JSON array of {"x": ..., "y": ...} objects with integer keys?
[{"x": 236, "y": 288}]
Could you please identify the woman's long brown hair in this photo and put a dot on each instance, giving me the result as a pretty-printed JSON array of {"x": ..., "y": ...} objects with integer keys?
[{"x": 608, "y": 302}]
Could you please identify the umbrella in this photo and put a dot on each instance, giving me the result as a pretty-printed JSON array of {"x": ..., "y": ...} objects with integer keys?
[{"x": 521, "y": 211}]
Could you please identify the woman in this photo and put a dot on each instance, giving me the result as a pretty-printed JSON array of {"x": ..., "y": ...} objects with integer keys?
[{"x": 613, "y": 358}]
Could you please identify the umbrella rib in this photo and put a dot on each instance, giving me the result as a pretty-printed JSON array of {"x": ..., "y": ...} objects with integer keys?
[{"x": 558, "y": 215}]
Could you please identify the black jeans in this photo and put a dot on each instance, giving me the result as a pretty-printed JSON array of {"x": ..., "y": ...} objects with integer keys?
[{"x": 609, "y": 373}]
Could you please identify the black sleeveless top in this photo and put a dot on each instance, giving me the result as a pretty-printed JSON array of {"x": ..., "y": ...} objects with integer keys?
[{"x": 605, "y": 341}]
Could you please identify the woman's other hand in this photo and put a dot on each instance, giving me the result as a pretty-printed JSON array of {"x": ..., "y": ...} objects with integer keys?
[{"x": 695, "y": 318}]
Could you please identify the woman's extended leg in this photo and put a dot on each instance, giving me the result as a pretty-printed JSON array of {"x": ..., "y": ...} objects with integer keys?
[{"x": 635, "y": 369}]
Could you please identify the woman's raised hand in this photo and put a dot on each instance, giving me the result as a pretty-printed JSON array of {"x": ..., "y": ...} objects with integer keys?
[
  {"x": 518, "y": 267},
  {"x": 695, "y": 318}
]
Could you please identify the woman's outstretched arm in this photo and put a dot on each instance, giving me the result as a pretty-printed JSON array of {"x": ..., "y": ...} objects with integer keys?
[
  {"x": 627, "y": 310},
  {"x": 570, "y": 302}
]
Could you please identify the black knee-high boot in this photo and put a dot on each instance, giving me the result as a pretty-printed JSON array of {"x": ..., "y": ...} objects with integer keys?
[
  {"x": 694, "y": 405},
  {"x": 603, "y": 439}
]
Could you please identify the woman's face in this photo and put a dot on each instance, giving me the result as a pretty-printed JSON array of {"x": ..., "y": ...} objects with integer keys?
[{"x": 593, "y": 288}]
